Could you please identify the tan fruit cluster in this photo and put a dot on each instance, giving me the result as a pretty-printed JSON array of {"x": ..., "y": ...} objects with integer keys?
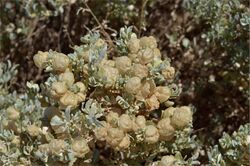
[
  {"x": 61, "y": 90},
  {"x": 80, "y": 147},
  {"x": 144, "y": 55},
  {"x": 111, "y": 99},
  {"x": 143, "y": 50},
  {"x": 165, "y": 129},
  {"x": 116, "y": 130},
  {"x": 135, "y": 68},
  {"x": 40, "y": 59},
  {"x": 148, "y": 92},
  {"x": 180, "y": 117},
  {"x": 56, "y": 147}
]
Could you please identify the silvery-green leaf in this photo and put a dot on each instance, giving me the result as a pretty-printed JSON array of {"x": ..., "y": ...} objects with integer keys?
[{"x": 56, "y": 121}]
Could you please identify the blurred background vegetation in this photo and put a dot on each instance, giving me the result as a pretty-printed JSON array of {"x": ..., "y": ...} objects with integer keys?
[{"x": 207, "y": 41}]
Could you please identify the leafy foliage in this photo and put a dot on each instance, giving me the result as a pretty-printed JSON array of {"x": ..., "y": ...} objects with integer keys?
[{"x": 232, "y": 150}]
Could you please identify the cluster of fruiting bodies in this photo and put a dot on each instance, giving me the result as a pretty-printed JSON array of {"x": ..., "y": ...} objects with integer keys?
[{"x": 134, "y": 90}]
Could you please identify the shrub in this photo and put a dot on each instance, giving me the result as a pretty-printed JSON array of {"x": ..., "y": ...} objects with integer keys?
[{"x": 93, "y": 105}]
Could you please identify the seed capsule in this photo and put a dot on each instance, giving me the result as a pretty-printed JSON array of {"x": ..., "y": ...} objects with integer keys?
[
  {"x": 165, "y": 129},
  {"x": 151, "y": 134},
  {"x": 157, "y": 54},
  {"x": 60, "y": 62},
  {"x": 133, "y": 85},
  {"x": 168, "y": 73},
  {"x": 162, "y": 93},
  {"x": 141, "y": 121},
  {"x": 81, "y": 86},
  {"x": 67, "y": 77},
  {"x": 168, "y": 113},
  {"x": 58, "y": 89},
  {"x": 139, "y": 70},
  {"x": 109, "y": 75},
  {"x": 125, "y": 123},
  {"x": 112, "y": 118},
  {"x": 82, "y": 91},
  {"x": 182, "y": 117},
  {"x": 152, "y": 103},
  {"x": 40, "y": 59},
  {"x": 147, "y": 89},
  {"x": 146, "y": 56},
  {"x": 148, "y": 42},
  {"x": 69, "y": 99},
  {"x": 101, "y": 132},
  {"x": 124, "y": 144},
  {"x": 133, "y": 56},
  {"x": 114, "y": 137},
  {"x": 123, "y": 64},
  {"x": 134, "y": 45},
  {"x": 80, "y": 147}
]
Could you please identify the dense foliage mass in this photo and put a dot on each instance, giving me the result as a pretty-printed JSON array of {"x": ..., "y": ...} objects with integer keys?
[
  {"x": 225, "y": 53},
  {"x": 117, "y": 97}
]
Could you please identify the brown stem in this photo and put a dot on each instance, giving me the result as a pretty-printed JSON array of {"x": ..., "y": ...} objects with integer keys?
[
  {"x": 101, "y": 26},
  {"x": 142, "y": 16}
]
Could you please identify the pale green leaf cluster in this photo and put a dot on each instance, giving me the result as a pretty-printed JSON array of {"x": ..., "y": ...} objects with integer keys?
[{"x": 232, "y": 150}]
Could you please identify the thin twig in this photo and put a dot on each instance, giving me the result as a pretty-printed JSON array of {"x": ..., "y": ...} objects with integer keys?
[
  {"x": 111, "y": 29},
  {"x": 66, "y": 27},
  {"x": 33, "y": 27},
  {"x": 59, "y": 35},
  {"x": 142, "y": 16},
  {"x": 101, "y": 26}
]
